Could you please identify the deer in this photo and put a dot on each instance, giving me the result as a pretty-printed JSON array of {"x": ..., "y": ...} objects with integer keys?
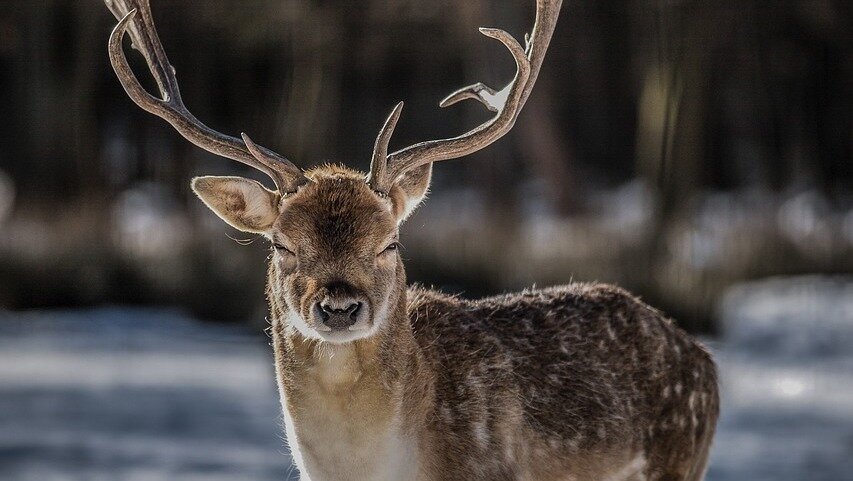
[{"x": 379, "y": 380}]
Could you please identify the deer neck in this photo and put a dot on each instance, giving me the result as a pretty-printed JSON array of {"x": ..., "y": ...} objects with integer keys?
[{"x": 343, "y": 404}]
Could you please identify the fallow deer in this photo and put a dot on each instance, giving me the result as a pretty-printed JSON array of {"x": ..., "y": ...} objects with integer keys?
[{"x": 380, "y": 381}]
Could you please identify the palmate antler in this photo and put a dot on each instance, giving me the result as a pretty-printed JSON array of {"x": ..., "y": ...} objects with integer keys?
[
  {"x": 507, "y": 103},
  {"x": 135, "y": 18}
]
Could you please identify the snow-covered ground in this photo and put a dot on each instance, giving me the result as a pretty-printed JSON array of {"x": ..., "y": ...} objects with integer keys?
[
  {"x": 145, "y": 395},
  {"x": 786, "y": 365},
  {"x": 136, "y": 395}
]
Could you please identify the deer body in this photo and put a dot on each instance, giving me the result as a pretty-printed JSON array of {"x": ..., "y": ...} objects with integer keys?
[
  {"x": 573, "y": 382},
  {"x": 379, "y": 381}
]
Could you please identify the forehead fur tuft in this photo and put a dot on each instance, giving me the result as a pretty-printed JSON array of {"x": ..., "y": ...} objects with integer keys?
[
  {"x": 335, "y": 189},
  {"x": 334, "y": 171}
]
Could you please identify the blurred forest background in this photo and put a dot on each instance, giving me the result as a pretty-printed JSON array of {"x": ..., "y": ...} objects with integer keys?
[{"x": 673, "y": 147}]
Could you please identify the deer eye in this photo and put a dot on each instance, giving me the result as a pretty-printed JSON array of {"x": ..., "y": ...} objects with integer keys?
[
  {"x": 281, "y": 249},
  {"x": 391, "y": 248}
]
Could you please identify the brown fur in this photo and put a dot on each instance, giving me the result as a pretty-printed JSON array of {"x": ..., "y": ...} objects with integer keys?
[{"x": 580, "y": 382}]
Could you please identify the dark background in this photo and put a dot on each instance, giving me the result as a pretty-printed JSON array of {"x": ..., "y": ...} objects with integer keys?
[
  {"x": 672, "y": 147},
  {"x": 696, "y": 152}
]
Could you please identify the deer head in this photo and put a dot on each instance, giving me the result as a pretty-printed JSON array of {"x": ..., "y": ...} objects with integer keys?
[{"x": 334, "y": 231}]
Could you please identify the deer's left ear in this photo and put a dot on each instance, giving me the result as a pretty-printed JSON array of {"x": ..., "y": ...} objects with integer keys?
[
  {"x": 408, "y": 192},
  {"x": 245, "y": 204}
]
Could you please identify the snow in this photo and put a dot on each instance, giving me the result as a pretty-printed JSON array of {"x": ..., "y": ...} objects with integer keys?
[
  {"x": 786, "y": 365},
  {"x": 136, "y": 394},
  {"x": 142, "y": 394}
]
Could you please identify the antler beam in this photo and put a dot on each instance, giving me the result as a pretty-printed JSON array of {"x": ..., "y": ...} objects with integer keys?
[
  {"x": 507, "y": 103},
  {"x": 135, "y": 18}
]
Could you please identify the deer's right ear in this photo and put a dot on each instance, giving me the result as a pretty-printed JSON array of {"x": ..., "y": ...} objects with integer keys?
[
  {"x": 408, "y": 192},
  {"x": 245, "y": 204}
]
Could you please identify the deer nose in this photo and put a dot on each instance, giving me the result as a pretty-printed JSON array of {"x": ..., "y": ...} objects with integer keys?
[{"x": 338, "y": 314}]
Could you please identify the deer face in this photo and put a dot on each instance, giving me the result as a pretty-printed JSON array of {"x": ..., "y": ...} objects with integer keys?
[{"x": 335, "y": 261}]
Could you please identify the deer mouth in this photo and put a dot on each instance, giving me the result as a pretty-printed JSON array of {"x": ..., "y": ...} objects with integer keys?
[
  {"x": 343, "y": 336},
  {"x": 342, "y": 327}
]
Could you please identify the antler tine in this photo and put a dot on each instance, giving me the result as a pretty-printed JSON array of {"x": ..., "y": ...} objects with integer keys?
[
  {"x": 507, "y": 104},
  {"x": 135, "y": 18},
  {"x": 379, "y": 164}
]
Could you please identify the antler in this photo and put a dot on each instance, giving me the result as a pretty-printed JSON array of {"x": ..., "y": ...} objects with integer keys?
[
  {"x": 135, "y": 16},
  {"x": 507, "y": 103}
]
